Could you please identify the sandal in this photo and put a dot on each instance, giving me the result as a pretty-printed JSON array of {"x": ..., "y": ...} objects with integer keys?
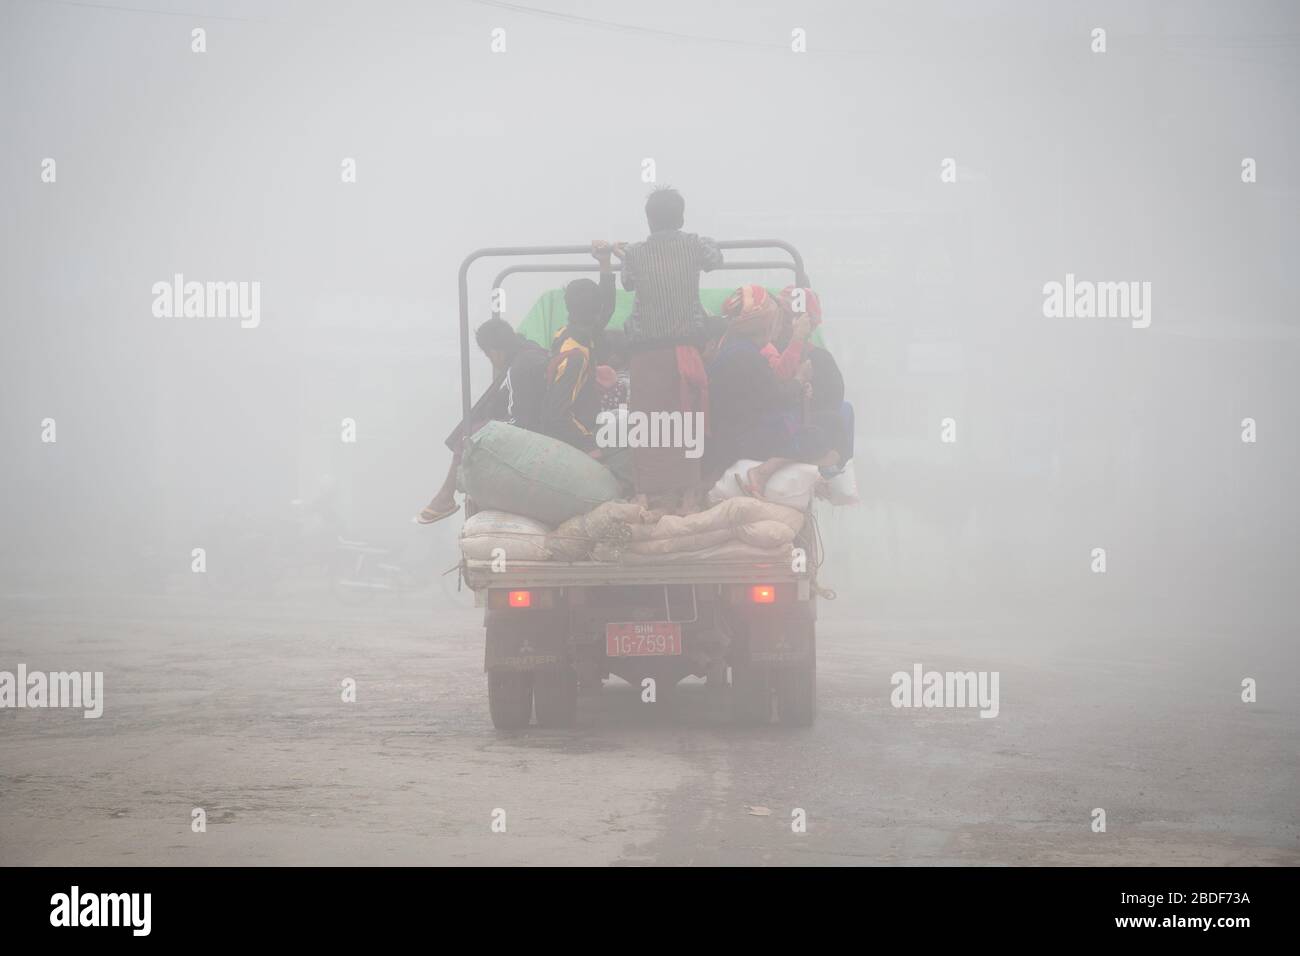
[{"x": 429, "y": 516}]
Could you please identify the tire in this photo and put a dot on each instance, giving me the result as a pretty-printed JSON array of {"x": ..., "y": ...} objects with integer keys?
[
  {"x": 510, "y": 699},
  {"x": 555, "y": 694},
  {"x": 751, "y": 695},
  {"x": 796, "y": 695}
]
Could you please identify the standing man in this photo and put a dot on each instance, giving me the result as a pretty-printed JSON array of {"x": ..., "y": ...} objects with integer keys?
[{"x": 664, "y": 332}]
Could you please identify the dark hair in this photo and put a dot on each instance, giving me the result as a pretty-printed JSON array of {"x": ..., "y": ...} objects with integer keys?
[
  {"x": 582, "y": 299},
  {"x": 827, "y": 380},
  {"x": 496, "y": 335},
  {"x": 611, "y": 346},
  {"x": 665, "y": 209}
]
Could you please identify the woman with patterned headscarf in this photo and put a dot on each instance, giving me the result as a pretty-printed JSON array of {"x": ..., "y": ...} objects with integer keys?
[{"x": 749, "y": 310}]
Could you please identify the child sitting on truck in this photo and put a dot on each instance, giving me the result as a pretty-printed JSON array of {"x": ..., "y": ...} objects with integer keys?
[
  {"x": 515, "y": 396},
  {"x": 572, "y": 399}
]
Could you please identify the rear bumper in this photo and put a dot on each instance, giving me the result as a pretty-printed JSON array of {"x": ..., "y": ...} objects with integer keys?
[{"x": 718, "y": 623}]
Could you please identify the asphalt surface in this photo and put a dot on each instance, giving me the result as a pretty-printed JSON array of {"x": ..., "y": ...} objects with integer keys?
[{"x": 236, "y": 707}]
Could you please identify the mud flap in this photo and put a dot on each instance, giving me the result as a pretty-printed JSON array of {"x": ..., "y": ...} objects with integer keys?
[
  {"x": 780, "y": 639},
  {"x": 530, "y": 640}
]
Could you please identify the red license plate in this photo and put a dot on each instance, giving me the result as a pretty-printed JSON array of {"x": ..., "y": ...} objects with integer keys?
[{"x": 643, "y": 639}]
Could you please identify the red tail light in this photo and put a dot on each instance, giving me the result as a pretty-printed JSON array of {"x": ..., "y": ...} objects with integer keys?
[
  {"x": 532, "y": 599},
  {"x": 763, "y": 594}
]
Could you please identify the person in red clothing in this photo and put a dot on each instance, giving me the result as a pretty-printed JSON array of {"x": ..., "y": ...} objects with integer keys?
[
  {"x": 801, "y": 313},
  {"x": 759, "y": 415}
]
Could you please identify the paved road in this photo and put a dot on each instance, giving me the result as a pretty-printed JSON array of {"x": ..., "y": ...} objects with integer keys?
[{"x": 236, "y": 708}]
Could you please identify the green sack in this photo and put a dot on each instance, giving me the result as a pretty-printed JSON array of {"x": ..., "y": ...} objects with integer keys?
[{"x": 505, "y": 468}]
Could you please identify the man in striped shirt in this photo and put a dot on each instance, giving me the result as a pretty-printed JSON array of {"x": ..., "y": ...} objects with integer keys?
[
  {"x": 664, "y": 271},
  {"x": 664, "y": 333}
]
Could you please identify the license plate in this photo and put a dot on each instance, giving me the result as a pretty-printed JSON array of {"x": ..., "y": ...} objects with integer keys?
[{"x": 643, "y": 639}]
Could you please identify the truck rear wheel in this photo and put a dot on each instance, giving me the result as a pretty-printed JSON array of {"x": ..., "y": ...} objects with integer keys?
[
  {"x": 555, "y": 693},
  {"x": 510, "y": 699},
  {"x": 796, "y": 694},
  {"x": 751, "y": 694}
]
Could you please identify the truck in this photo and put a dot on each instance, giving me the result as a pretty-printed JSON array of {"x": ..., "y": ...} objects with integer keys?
[{"x": 555, "y": 627}]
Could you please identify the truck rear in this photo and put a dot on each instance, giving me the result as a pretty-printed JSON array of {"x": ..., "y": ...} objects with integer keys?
[{"x": 554, "y": 628}]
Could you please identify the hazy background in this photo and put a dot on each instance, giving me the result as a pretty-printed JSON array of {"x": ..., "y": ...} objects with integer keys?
[{"x": 1072, "y": 433}]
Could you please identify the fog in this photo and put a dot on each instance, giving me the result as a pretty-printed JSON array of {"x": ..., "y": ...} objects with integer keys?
[{"x": 1070, "y": 433}]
